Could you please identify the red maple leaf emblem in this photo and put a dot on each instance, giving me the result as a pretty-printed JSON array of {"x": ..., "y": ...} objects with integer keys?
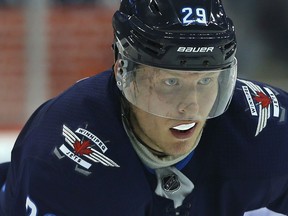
[
  {"x": 82, "y": 148},
  {"x": 263, "y": 99}
]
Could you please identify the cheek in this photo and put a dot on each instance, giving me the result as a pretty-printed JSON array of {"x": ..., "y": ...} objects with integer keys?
[
  {"x": 207, "y": 100},
  {"x": 149, "y": 123},
  {"x": 209, "y": 97},
  {"x": 213, "y": 96}
]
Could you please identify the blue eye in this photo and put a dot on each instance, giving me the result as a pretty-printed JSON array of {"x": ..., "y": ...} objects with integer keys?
[
  {"x": 171, "y": 81},
  {"x": 205, "y": 81}
]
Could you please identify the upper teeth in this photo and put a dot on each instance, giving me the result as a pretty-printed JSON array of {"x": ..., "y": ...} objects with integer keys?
[{"x": 185, "y": 126}]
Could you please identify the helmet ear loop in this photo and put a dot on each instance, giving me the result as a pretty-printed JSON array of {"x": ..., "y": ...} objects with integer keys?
[
  {"x": 120, "y": 68},
  {"x": 115, "y": 49}
]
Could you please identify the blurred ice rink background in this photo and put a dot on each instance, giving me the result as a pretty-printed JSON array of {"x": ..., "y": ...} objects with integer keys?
[{"x": 47, "y": 45}]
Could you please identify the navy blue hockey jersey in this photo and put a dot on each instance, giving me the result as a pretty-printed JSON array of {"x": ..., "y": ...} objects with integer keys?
[{"x": 74, "y": 158}]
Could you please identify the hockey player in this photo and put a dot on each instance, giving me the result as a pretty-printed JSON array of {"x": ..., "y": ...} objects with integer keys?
[{"x": 155, "y": 136}]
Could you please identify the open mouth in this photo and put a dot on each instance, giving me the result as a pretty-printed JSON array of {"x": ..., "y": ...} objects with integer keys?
[
  {"x": 183, "y": 131},
  {"x": 184, "y": 127}
]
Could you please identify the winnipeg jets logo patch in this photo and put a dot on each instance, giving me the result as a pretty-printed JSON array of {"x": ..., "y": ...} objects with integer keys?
[
  {"x": 82, "y": 151},
  {"x": 262, "y": 103}
]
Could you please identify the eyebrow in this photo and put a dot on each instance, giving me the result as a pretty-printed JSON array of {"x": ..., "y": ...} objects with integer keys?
[{"x": 179, "y": 73}]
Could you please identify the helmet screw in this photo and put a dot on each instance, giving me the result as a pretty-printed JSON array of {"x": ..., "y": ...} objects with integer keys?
[
  {"x": 183, "y": 62},
  {"x": 206, "y": 63}
]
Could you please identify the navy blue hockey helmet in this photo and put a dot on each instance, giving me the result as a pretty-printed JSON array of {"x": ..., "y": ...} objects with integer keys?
[
  {"x": 177, "y": 34},
  {"x": 172, "y": 36}
]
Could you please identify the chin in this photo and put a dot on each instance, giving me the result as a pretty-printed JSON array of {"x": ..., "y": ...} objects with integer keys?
[{"x": 180, "y": 150}]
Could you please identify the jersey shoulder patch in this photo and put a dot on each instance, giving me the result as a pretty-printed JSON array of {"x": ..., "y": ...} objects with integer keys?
[
  {"x": 81, "y": 146},
  {"x": 262, "y": 102}
]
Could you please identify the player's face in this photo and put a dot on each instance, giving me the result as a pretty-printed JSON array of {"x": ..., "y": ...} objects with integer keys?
[{"x": 181, "y": 95}]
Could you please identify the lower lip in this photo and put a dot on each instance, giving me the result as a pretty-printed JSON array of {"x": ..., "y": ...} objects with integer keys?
[{"x": 182, "y": 134}]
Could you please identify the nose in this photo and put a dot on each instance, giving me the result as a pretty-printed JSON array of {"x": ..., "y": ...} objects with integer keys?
[{"x": 188, "y": 105}]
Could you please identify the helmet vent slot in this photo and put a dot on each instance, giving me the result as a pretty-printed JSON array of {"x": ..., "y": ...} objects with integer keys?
[
  {"x": 230, "y": 47},
  {"x": 151, "y": 46}
]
